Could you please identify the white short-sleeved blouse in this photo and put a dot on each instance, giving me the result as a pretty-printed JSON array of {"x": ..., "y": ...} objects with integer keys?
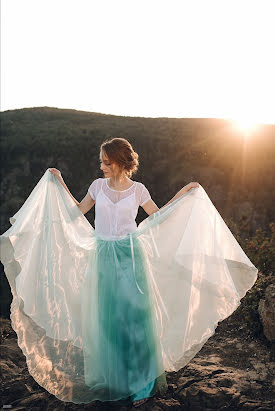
[{"x": 116, "y": 211}]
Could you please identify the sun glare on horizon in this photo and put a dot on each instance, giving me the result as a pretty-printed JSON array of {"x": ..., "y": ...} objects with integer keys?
[{"x": 246, "y": 126}]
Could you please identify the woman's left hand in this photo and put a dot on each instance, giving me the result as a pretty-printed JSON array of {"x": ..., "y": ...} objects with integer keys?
[
  {"x": 57, "y": 174},
  {"x": 192, "y": 185}
]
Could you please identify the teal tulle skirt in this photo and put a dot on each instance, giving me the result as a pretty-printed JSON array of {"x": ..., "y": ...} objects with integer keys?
[{"x": 122, "y": 353}]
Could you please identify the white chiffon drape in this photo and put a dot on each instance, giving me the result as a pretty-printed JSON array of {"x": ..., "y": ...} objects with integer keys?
[{"x": 197, "y": 275}]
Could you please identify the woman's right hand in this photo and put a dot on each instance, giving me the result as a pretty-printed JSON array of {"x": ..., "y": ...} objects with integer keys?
[
  {"x": 57, "y": 174},
  {"x": 193, "y": 184}
]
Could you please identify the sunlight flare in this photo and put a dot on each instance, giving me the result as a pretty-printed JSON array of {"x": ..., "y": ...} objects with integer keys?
[{"x": 247, "y": 126}]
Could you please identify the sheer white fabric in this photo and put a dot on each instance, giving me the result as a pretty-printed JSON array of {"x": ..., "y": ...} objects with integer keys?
[
  {"x": 116, "y": 211},
  {"x": 197, "y": 274}
]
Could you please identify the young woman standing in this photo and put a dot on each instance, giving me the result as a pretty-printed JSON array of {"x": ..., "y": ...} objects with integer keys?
[
  {"x": 102, "y": 313},
  {"x": 118, "y": 198}
]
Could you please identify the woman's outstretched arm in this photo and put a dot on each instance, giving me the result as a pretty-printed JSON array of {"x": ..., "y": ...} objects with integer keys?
[
  {"x": 182, "y": 191},
  {"x": 86, "y": 204},
  {"x": 150, "y": 207}
]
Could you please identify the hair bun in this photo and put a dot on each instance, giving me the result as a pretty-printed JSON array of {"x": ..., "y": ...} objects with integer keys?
[{"x": 120, "y": 151}]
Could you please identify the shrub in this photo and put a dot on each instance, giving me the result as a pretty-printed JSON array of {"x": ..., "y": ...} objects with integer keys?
[{"x": 260, "y": 248}]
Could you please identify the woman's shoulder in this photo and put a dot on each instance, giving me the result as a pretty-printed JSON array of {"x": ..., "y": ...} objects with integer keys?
[
  {"x": 97, "y": 180},
  {"x": 141, "y": 185},
  {"x": 138, "y": 183},
  {"x": 95, "y": 187}
]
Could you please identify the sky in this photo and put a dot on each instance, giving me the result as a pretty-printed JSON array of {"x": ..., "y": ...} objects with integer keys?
[{"x": 207, "y": 58}]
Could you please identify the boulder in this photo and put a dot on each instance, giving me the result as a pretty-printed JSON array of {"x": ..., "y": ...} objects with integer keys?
[{"x": 266, "y": 311}]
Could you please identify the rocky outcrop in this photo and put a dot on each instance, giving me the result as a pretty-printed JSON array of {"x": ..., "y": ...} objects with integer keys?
[
  {"x": 233, "y": 371},
  {"x": 266, "y": 311}
]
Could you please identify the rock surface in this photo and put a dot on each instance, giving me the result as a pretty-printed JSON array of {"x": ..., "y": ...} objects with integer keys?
[
  {"x": 267, "y": 313},
  {"x": 233, "y": 371}
]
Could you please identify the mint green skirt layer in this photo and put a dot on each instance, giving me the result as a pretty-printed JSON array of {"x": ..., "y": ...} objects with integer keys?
[
  {"x": 122, "y": 352},
  {"x": 105, "y": 319}
]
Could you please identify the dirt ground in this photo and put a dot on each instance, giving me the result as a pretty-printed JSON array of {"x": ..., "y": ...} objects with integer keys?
[{"x": 233, "y": 371}]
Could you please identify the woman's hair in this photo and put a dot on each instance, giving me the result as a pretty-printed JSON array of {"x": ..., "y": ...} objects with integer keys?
[{"x": 120, "y": 151}]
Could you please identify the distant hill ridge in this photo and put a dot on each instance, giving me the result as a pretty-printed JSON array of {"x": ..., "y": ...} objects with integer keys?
[{"x": 237, "y": 175}]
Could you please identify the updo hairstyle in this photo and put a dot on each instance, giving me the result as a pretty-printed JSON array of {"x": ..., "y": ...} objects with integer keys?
[{"x": 120, "y": 151}]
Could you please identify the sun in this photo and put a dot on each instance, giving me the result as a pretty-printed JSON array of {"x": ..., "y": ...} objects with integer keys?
[{"x": 246, "y": 125}]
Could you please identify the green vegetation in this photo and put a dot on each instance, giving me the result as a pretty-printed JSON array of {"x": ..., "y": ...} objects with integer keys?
[
  {"x": 260, "y": 249},
  {"x": 237, "y": 174}
]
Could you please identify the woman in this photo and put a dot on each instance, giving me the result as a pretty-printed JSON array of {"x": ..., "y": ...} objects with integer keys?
[
  {"x": 109, "y": 310},
  {"x": 118, "y": 163}
]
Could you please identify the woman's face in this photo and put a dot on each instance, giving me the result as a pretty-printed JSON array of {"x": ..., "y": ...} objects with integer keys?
[{"x": 109, "y": 169}]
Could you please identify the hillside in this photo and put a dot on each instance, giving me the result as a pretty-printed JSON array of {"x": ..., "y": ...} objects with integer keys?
[
  {"x": 173, "y": 152},
  {"x": 237, "y": 176},
  {"x": 234, "y": 368}
]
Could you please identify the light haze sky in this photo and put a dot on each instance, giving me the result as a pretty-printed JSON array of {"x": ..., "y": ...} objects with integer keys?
[{"x": 208, "y": 58}]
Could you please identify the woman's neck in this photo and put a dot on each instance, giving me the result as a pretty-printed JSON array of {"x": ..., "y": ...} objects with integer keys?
[{"x": 119, "y": 182}]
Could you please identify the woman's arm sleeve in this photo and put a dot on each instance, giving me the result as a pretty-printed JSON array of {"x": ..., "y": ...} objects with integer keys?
[
  {"x": 92, "y": 190},
  {"x": 145, "y": 196}
]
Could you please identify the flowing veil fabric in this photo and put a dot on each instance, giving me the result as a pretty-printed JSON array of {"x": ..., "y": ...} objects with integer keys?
[{"x": 82, "y": 302}]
